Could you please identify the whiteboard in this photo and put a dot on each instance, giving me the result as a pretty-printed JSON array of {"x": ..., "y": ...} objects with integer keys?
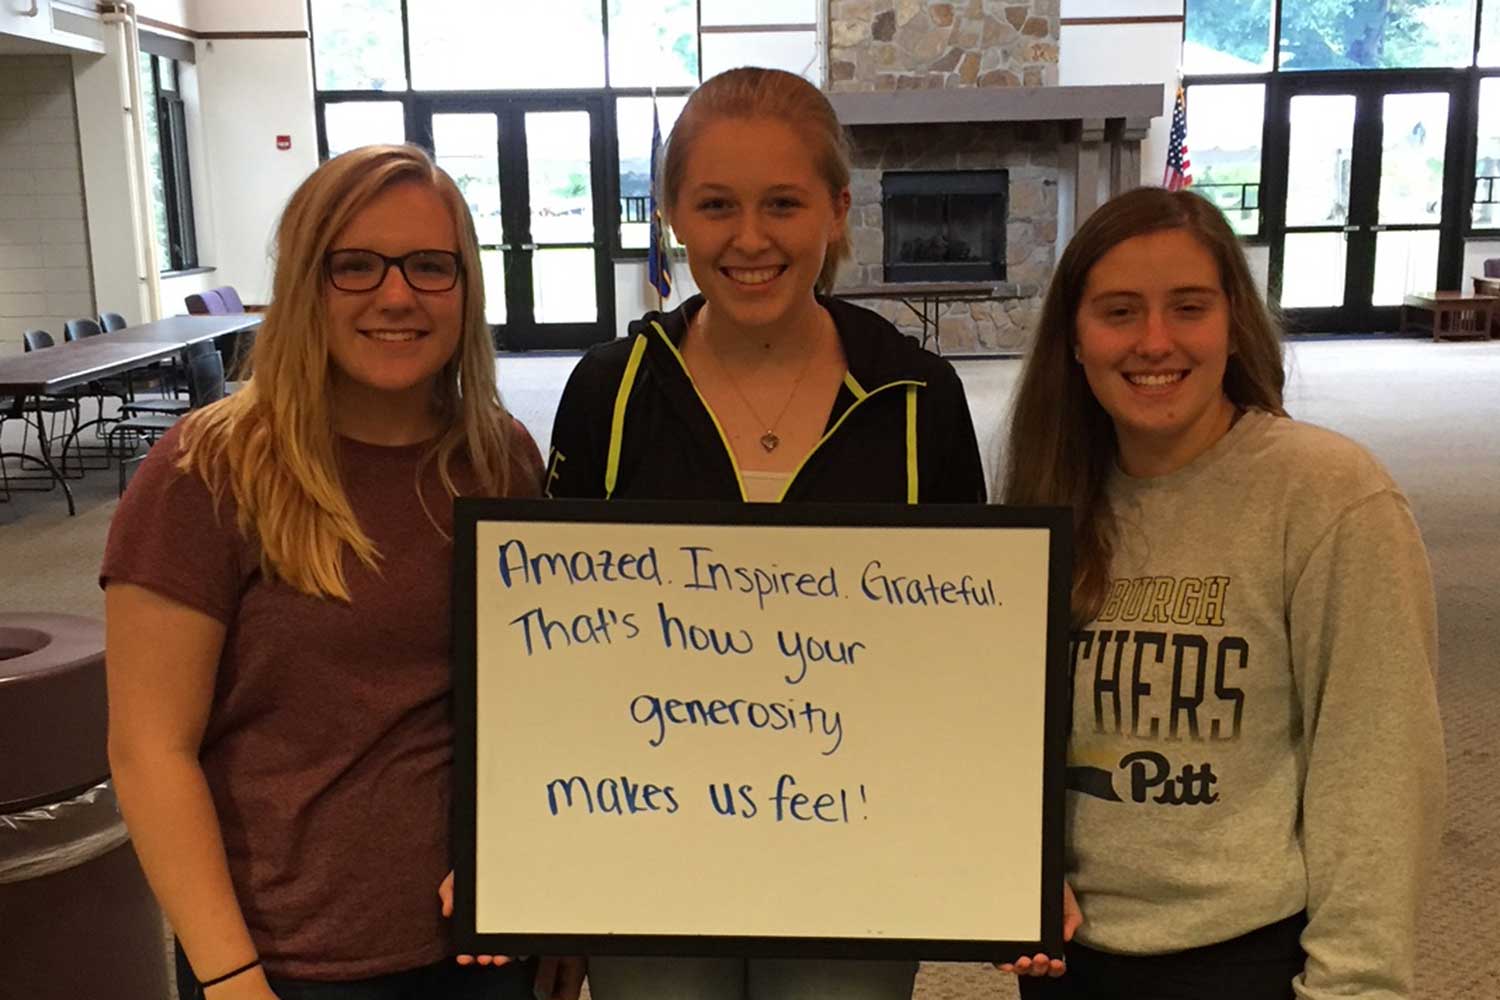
[{"x": 758, "y": 729}]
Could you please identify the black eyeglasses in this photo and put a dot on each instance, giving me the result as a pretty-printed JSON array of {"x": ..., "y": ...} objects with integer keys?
[{"x": 365, "y": 270}]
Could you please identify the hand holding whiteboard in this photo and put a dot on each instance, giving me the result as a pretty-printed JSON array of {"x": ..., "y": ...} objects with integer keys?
[{"x": 755, "y": 729}]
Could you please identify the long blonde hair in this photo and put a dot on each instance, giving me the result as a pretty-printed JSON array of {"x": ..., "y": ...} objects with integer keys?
[
  {"x": 753, "y": 92},
  {"x": 272, "y": 443},
  {"x": 1061, "y": 446}
]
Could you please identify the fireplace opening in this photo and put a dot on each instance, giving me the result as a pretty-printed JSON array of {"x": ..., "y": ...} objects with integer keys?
[{"x": 945, "y": 225}]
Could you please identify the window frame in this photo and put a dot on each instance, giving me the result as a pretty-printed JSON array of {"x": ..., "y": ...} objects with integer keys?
[{"x": 176, "y": 168}]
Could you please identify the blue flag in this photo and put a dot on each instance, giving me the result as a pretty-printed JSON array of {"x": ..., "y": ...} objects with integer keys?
[{"x": 658, "y": 257}]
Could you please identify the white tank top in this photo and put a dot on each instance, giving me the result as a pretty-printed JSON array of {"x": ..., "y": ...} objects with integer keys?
[{"x": 765, "y": 487}]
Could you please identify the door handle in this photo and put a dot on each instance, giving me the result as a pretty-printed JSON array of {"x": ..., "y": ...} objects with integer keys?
[
  {"x": 1377, "y": 229},
  {"x": 528, "y": 246},
  {"x": 1351, "y": 229}
]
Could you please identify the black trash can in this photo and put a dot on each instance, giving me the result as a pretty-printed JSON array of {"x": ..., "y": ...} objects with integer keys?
[{"x": 77, "y": 919}]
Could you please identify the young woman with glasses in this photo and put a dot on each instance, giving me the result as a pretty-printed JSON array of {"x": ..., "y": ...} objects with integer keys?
[{"x": 277, "y": 593}]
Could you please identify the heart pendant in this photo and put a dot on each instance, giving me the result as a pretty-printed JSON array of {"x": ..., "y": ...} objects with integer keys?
[{"x": 769, "y": 441}]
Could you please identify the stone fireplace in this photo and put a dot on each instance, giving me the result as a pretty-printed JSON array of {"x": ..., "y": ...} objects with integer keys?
[{"x": 965, "y": 93}]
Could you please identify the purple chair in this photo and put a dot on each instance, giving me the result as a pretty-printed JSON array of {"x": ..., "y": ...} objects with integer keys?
[
  {"x": 1492, "y": 268},
  {"x": 205, "y": 304},
  {"x": 230, "y": 298}
]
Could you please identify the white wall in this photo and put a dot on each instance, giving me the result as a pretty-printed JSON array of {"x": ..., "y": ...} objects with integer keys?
[
  {"x": 1126, "y": 53},
  {"x": 173, "y": 12},
  {"x": 237, "y": 15},
  {"x": 120, "y": 265},
  {"x": 239, "y": 95},
  {"x": 178, "y": 287},
  {"x": 252, "y": 90},
  {"x": 44, "y": 261},
  {"x": 1476, "y": 252},
  {"x": 633, "y": 297}
]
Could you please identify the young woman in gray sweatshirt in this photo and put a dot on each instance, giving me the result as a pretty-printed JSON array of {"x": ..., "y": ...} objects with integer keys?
[{"x": 1255, "y": 765}]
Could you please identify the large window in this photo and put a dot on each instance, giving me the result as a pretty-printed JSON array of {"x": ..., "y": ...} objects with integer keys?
[
  {"x": 484, "y": 45},
  {"x": 1251, "y": 44},
  {"x": 165, "y": 120},
  {"x": 780, "y": 34},
  {"x": 349, "y": 124},
  {"x": 653, "y": 43},
  {"x": 1377, "y": 34},
  {"x": 1225, "y": 123},
  {"x": 1236, "y": 36},
  {"x": 1489, "y": 34},
  {"x": 633, "y": 128},
  {"x": 1487, "y": 157},
  {"x": 377, "y": 63},
  {"x": 357, "y": 44},
  {"x": 1227, "y": 36}
]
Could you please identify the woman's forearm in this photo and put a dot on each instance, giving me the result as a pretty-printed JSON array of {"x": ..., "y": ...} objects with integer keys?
[{"x": 175, "y": 830}]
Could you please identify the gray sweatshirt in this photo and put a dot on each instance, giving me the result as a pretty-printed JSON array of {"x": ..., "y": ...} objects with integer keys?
[{"x": 1255, "y": 725}]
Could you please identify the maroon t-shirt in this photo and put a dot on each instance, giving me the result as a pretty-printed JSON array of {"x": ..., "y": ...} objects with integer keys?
[{"x": 328, "y": 747}]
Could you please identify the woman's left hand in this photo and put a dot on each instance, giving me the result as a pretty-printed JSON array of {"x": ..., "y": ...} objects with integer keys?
[
  {"x": 1040, "y": 964},
  {"x": 556, "y": 978},
  {"x": 445, "y": 893}
]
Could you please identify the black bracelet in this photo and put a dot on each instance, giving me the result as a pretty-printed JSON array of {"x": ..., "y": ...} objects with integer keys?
[{"x": 229, "y": 975}]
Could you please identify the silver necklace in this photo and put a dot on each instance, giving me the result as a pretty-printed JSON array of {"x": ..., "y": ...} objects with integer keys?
[{"x": 770, "y": 440}]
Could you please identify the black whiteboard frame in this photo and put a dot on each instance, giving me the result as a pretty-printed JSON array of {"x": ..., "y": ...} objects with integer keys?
[{"x": 469, "y": 513}]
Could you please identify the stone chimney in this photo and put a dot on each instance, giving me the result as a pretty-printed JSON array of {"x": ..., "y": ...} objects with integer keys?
[{"x": 928, "y": 44}]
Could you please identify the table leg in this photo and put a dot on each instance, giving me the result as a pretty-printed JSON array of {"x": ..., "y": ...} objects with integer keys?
[{"x": 52, "y": 472}]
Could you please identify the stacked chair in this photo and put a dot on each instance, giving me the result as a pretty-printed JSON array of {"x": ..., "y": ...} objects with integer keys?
[
  {"x": 222, "y": 301},
  {"x": 42, "y": 412},
  {"x": 205, "y": 375}
]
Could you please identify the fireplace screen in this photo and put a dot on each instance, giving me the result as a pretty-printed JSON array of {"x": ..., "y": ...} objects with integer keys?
[{"x": 945, "y": 225}]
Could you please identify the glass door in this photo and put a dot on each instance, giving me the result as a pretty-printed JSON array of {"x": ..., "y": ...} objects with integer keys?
[
  {"x": 532, "y": 170},
  {"x": 1371, "y": 188}
]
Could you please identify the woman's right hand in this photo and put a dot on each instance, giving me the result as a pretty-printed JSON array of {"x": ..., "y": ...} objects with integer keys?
[{"x": 1040, "y": 964}]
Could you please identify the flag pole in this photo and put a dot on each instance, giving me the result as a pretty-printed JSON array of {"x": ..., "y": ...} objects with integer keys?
[{"x": 656, "y": 129}]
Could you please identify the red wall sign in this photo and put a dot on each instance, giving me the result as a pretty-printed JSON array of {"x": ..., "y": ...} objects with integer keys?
[{"x": 283, "y": 142}]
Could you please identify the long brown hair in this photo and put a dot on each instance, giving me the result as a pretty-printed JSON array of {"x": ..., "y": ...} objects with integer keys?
[
  {"x": 1061, "y": 446},
  {"x": 272, "y": 443},
  {"x": 753, "y": 92}
]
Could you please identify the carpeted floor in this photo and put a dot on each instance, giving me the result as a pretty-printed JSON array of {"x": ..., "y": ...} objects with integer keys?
[{"x": 1430, "y": 411}]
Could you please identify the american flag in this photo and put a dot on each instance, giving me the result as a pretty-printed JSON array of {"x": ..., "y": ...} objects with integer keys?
[
  {"x": 658, "y": 256},
  {"x": 1177, "y": 174}
]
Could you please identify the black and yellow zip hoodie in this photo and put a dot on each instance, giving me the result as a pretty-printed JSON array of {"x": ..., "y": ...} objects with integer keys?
[{"x": 632, "y": 425}]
